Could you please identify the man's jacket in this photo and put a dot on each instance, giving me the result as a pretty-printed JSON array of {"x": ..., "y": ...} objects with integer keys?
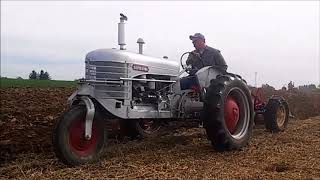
[{"x": 209, "y": 57}]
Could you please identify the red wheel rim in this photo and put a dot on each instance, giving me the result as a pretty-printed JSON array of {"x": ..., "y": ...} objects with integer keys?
[
  {"x": 231, "y": 114},
  {"x": 79, "y": 145}
]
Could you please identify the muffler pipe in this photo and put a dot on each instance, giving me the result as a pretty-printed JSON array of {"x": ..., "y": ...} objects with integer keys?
[
  {"x": 121, "y": 31},
  {"x": 192, "y": 106}
]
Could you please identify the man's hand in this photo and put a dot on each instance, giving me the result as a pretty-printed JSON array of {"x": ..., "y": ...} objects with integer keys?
[
  {"x": 193, "y": 57},
  {"x": 191, "y": 70},
  {"x": 189, "y": 67},
  {"x": 195, "y": 54}
]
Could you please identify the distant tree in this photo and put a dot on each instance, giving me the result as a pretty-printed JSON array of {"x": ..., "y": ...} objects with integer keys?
[
  {"x": 44, "y": 75},
  {"x": 308, "y": 88},
  {"x": 283, "y": 88},
  {"x": 312, "y": 86},
  {"x": 41, "y": 75},
  {"x": 33, "y": 75},
  {"x": 19, "y": 77},
  {"x": 47, "y": 76}
]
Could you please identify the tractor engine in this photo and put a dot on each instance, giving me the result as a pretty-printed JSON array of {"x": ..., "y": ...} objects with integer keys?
[
  {"x": 131, "y": 83},
  {"x": 148, "y": 93},
  {"x": 143, "y": 94}
]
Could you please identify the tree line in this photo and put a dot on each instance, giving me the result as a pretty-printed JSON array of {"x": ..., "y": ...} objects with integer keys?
[{"x": 42, "y": 75}]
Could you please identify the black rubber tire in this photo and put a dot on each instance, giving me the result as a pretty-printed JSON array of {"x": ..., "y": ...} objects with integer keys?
[
  {"x": 270, "y": 115},
  {"x": 214, "y": 120},
  {"x": 133, "y": 129},
  {"x": 60, "y": 138}
]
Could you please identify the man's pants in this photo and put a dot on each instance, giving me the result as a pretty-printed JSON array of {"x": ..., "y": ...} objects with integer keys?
[{"x": 188, "y": 82}]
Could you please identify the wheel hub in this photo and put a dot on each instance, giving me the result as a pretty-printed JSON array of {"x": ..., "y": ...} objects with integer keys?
[
  {"x": 78, "y": 143},
  {"x": 281, "y": 116},
  {"x": 231, "y": 114}
]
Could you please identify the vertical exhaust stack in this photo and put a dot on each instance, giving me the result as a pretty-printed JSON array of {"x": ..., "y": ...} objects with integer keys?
[
  {"x": 140, "y": 42},
  {"x": 121, "y": 31}
]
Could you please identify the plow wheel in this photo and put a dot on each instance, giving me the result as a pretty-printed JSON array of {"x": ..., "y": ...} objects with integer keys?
[
  {"x": 276, "y": 116},
  {"x": 228, "y": 116},
  {"x": 69, "y": 142}
]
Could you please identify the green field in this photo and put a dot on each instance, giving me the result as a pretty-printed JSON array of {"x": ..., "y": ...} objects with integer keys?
[{"x": 10, "y": 82}]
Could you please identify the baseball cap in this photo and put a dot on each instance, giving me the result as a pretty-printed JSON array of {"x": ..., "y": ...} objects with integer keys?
[{"x": 196, "y": 36}]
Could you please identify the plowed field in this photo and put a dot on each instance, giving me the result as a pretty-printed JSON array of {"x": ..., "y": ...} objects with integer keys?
[{"x": 28, "y": 114}]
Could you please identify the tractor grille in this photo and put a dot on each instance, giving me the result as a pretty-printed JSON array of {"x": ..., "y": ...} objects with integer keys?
[{"x": 107, "y": 71}]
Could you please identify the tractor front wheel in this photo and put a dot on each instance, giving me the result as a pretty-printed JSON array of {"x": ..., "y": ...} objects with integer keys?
[{"x": 69, "y": 142}]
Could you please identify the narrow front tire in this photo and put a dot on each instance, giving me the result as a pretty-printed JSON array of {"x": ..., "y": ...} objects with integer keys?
[{"x": 69, "y": 142}]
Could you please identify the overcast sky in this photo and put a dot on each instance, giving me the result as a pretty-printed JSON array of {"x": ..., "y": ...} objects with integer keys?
[{"x": 278, "y": 40}]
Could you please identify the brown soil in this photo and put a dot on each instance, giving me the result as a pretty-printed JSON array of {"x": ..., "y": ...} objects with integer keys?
[{"x": 27, "y": 118}]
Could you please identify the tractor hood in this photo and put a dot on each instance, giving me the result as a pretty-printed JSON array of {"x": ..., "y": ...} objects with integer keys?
[{"x": 150, "y": 65}]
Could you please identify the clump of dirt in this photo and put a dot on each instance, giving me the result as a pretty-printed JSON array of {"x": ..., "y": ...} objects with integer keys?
[{"x": 278, "y": 167}]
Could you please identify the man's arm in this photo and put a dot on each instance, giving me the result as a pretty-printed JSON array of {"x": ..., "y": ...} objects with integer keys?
[
  {"x": 219, "y": 60},
  {"x": 189, "y": 60}
]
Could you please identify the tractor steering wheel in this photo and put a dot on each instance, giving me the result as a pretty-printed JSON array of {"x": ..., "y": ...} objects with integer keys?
[{"x": 183, "y": 61}]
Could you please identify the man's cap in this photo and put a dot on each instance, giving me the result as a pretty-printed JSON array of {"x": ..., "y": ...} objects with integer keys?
[{"x": 196, "y": 36}]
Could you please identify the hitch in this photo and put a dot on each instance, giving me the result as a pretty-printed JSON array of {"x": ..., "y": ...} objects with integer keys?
[{"x": 89, "y": 116}]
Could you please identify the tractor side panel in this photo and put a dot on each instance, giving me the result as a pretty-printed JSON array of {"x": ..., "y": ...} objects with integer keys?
[{"x": 115, "y": 107}]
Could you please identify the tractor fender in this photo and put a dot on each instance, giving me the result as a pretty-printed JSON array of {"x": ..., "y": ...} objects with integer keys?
[
  {"x": 82, "y": 96},
  {"x": 206, "y": 74},
  {"x": 82, "y": 90}
]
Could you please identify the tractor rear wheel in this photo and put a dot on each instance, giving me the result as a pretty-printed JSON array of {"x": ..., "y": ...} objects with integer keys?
[
  {"x": 276, "y": 116},
  {"x": 228, "y": 113},
  {"x": 69, "y": 142}
]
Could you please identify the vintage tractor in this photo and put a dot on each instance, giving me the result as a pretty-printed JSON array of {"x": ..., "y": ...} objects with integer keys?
[{"x": 143, "y": 92}]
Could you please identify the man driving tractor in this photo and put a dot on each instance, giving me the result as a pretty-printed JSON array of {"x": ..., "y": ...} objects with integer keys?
[{"x": 202, "y": 56}]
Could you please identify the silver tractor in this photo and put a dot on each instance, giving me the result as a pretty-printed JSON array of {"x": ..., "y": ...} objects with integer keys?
[{"x": 143, "y": 93}]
